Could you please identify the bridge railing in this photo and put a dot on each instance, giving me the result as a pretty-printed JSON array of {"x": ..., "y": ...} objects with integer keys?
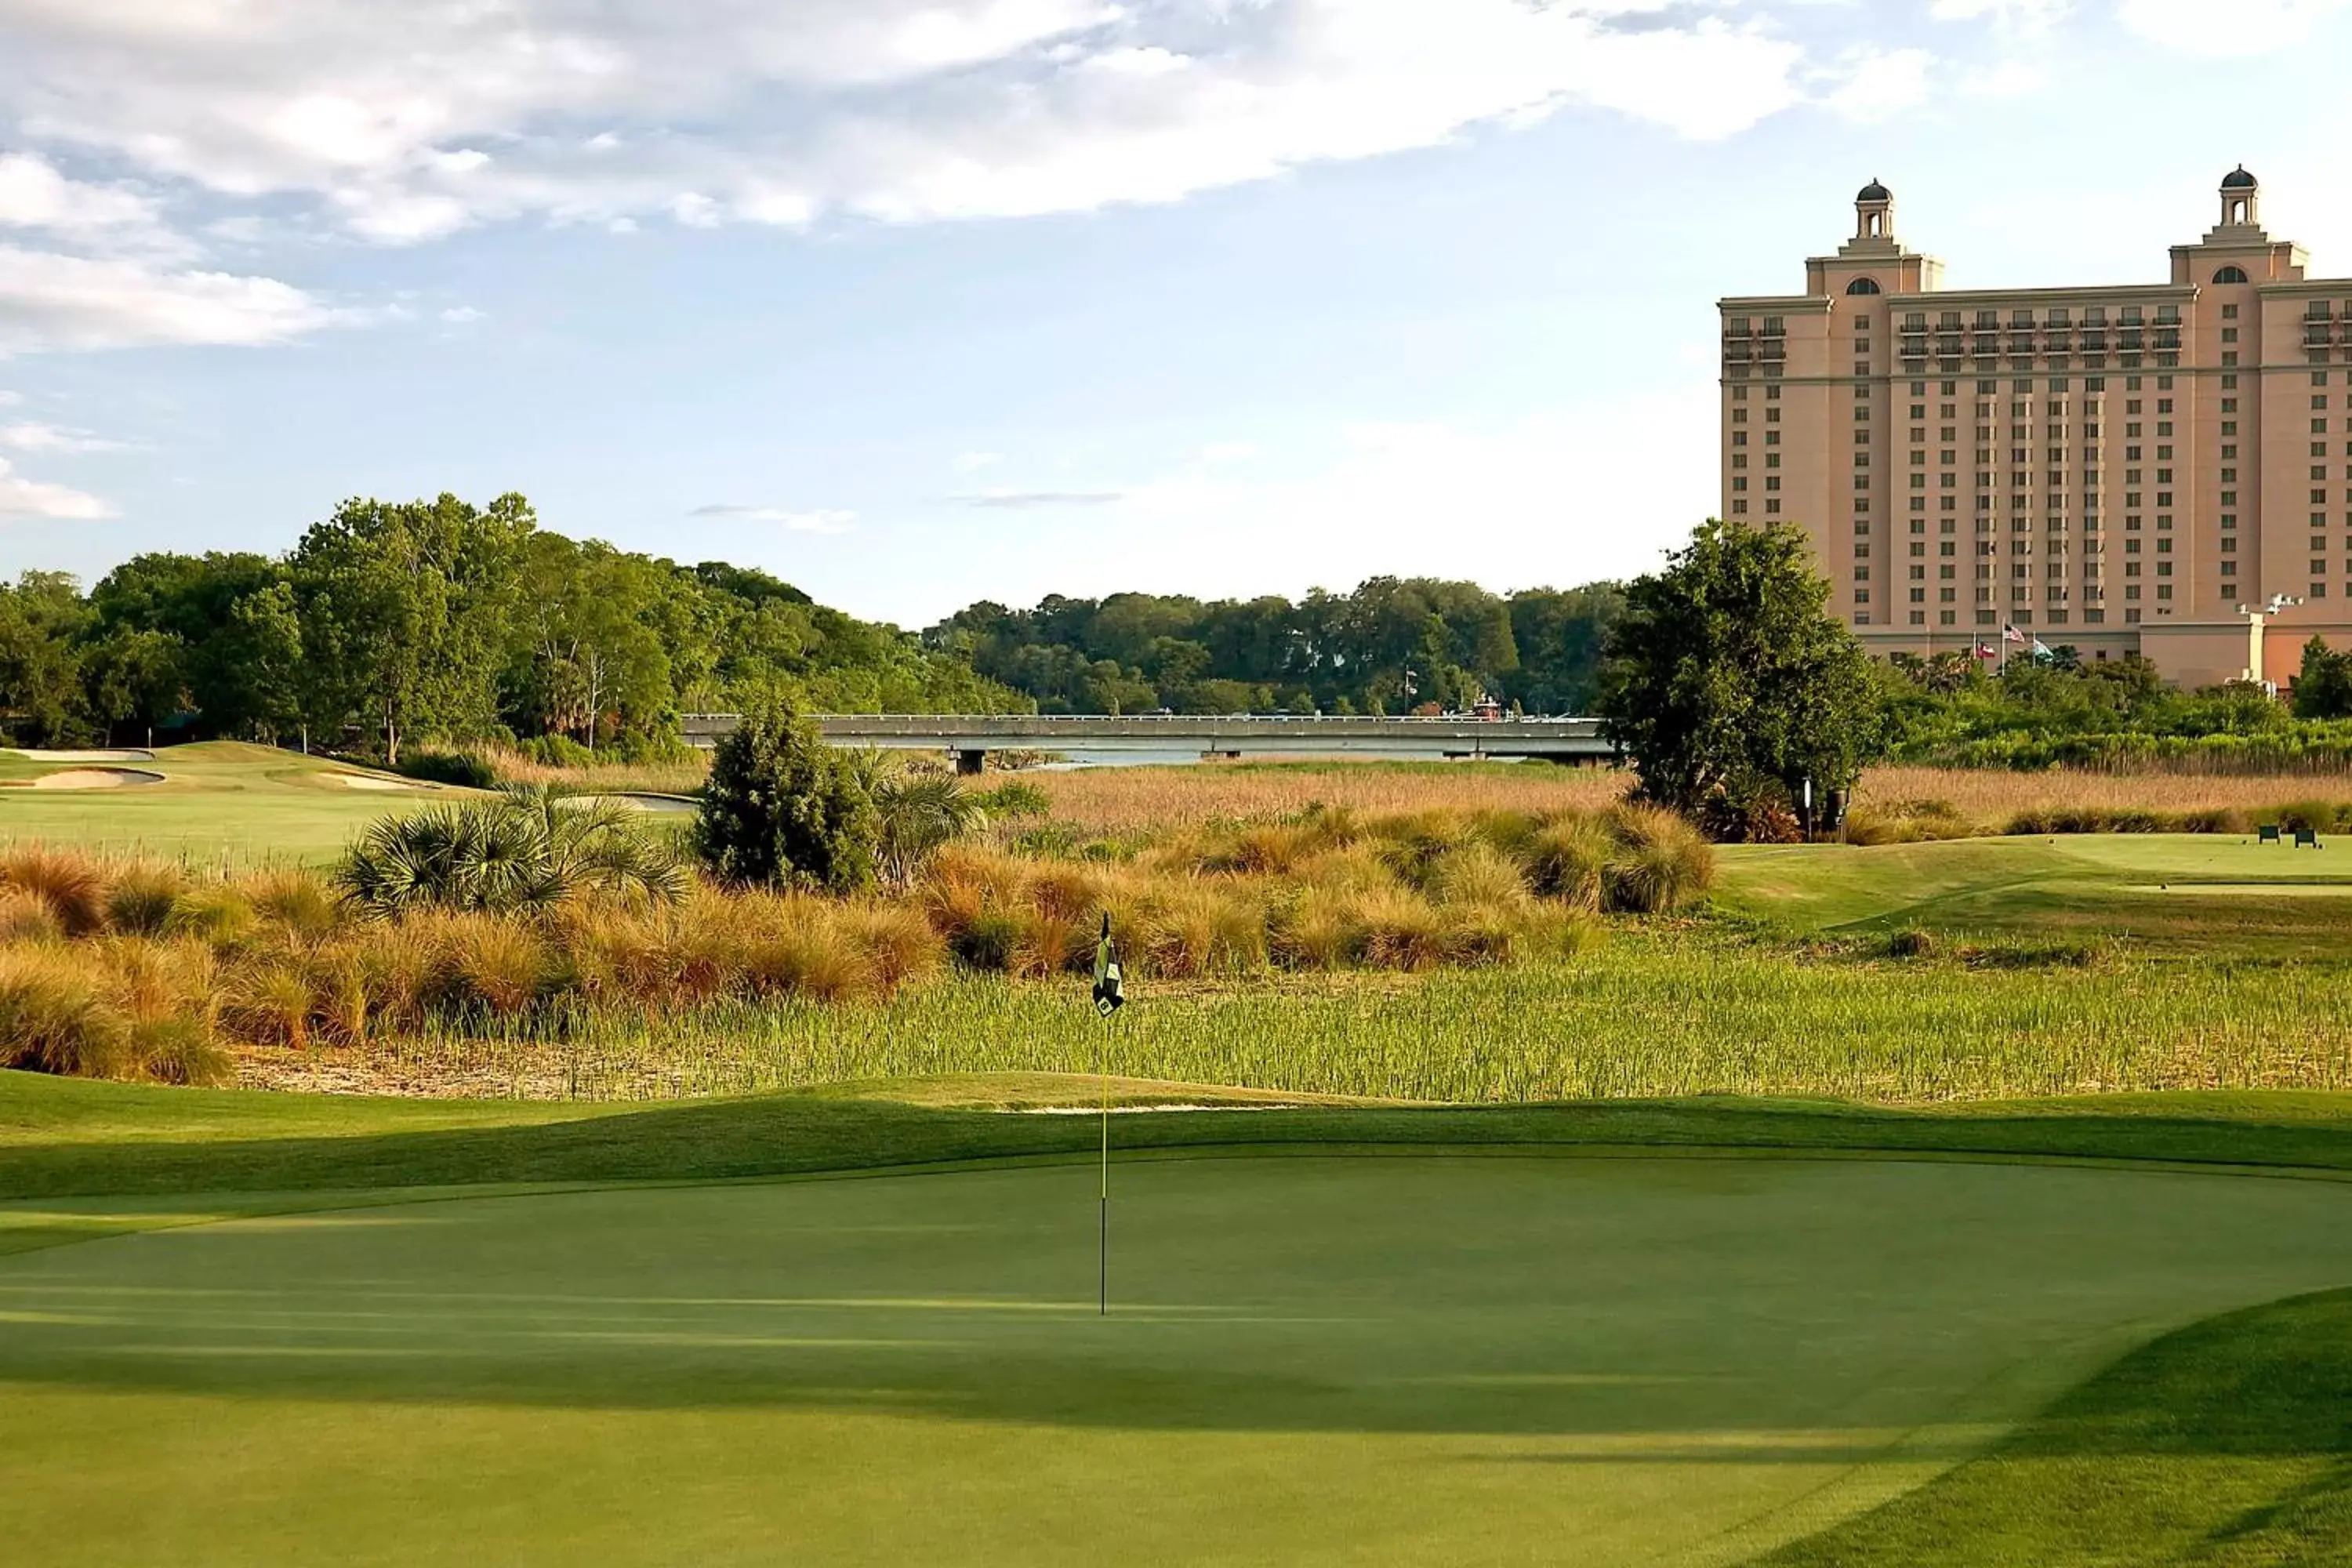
[{"x": 1178, "y": 720}]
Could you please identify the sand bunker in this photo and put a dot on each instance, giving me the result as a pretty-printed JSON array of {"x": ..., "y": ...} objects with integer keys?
[
  {"x": 365, "y": 781},
  {"x": 127, "y": 755},
  {"x": 667, "y": 803},
  {"x": 96, "y": 778}
]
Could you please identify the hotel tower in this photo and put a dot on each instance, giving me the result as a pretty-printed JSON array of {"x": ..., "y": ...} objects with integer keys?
[{"x": 2138, "y": 468}]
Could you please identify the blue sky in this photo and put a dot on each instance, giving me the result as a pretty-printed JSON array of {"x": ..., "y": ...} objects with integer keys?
[{"x": 920, "y": 301}]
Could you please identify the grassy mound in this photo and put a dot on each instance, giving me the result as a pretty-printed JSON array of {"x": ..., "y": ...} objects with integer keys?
[
  {"x": 2228, "y": 1444},
  {"x": 1310, "y": 1359}
]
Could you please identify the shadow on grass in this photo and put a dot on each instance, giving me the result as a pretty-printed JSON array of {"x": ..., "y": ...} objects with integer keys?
[
  {"x": 793, "y": 1135},
  {"x": 2228, "y": 1443}
]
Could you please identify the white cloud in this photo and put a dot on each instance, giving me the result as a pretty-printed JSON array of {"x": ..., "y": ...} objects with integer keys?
[
  {"x": 402, "y": 124},
  {"x": 50, "y": 302},
  {"x": 461, "y": 314},
  {"x": 1873, "y": 84},
  {"x": 22, "y": 498},
  {"x": 30, "y": 437},
  {"x": 824, "y": 521},
  {"x": 34, "y": 194},
  {"x": 10, "y": 399},
  {"x": 1563, "y": 495},
  {"x": 971, "y": 462},
  {"x": 2012, "y": 17},
  {"x": 1036, "y": 501},
  {"x": 2251, "y": 27}
]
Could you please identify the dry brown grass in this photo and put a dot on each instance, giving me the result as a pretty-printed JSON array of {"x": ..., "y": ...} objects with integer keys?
[
  {"x": 682, "y": 777},
  {"x": 1131, "y": 800},
  {"x": 1989, "y": 798},
  {"x": 1121, "y": 800}
]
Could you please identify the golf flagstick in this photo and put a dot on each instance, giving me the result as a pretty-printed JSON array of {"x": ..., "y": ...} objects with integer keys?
[{"x": 1110, "y": 997}]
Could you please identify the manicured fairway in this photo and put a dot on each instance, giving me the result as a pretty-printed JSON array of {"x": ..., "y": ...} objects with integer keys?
[
  {"x": 218, "y": 799},
  {"x": 2176, "y": 892},
  {"x": 1440, "y": 1359}
]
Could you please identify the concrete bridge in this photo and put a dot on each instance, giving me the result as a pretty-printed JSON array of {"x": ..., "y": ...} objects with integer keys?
[{"x": 969, "y": 738}]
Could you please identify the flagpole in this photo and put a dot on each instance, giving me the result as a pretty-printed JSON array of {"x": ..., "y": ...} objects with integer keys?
[
  {"x": 1109, "y": 998},
  {"x": 1102, "y": 1207}
]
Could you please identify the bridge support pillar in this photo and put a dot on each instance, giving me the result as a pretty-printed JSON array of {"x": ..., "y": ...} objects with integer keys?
[{"x": 969, "y": 762}]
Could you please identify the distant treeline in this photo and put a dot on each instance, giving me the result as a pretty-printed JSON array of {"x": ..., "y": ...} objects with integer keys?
[
  {"x": 389, "y": 621},
  {"x": 1391, "y": 645},
  {"x": 2061, "y": 710}
]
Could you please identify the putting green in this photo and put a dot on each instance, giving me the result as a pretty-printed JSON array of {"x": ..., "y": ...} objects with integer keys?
[
  {"x": 2172, "y": 893},
  {"x": 1310, "y": 1359}
]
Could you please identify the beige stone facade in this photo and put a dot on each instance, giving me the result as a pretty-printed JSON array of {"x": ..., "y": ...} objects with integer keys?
[{"x": 2120, "y": 468}]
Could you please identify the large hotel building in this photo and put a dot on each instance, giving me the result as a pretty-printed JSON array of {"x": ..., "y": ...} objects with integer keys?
[{"x": 2121, "y": 468}]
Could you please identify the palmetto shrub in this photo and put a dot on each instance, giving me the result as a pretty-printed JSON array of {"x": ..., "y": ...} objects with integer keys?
[
  {"x": 915, "y": 814},
  {"x": 531, "y": 850}
]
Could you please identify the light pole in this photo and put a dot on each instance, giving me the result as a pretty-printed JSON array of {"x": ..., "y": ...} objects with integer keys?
[{"x": 2255, "y": 620}]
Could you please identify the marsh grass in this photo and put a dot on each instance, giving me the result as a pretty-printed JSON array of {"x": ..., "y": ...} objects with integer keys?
[
  {"x": 1660, "y": 1013},
  {"x": 683, "y": 776},
  {"x": 1929, "y": 802},
  {"x": 279, "y": 960}
]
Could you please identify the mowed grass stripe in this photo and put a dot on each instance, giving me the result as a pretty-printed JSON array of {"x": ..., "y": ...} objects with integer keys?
[
  {"x": 1309, "y": 1361},
  {"x": 295, "y": 1143}
]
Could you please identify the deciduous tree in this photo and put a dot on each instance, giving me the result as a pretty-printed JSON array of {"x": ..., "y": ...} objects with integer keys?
[{"x": 1725, "y": 681}]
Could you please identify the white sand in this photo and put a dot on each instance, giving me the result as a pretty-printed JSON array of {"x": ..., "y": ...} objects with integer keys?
[
  {"x": 365, "y": 781},
  {"x": 96, "y": 778},
  {"x": 666, "y": 804}
]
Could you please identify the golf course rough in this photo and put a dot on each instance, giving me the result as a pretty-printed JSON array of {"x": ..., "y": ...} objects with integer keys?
[{"x": 1309, "y": 1359}]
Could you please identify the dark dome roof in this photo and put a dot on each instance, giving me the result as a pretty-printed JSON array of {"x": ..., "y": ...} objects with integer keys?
[
  {"x": 2238, "y": 179},
  {"x": 1874, "y": 191}
]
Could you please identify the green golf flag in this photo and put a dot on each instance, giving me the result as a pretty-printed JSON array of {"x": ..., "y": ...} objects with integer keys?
[{"x": 1109, "y": 998}]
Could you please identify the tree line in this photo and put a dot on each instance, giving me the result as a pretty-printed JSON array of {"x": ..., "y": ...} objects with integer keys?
[
  {"x": 394, "y": 620},
  {"x": 1391, "y": 645},
  {"x": 390, "y": 621}
]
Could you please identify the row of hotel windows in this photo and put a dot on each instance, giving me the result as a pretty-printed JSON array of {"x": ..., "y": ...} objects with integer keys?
[
  {"x": 2021, "y": 616},
  {"x": 1949, "y": 320},
  {"x": 2055, "y": 315}
]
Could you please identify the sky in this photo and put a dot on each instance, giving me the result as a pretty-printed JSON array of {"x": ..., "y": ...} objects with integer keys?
[{"x": 918, "y": 302}]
